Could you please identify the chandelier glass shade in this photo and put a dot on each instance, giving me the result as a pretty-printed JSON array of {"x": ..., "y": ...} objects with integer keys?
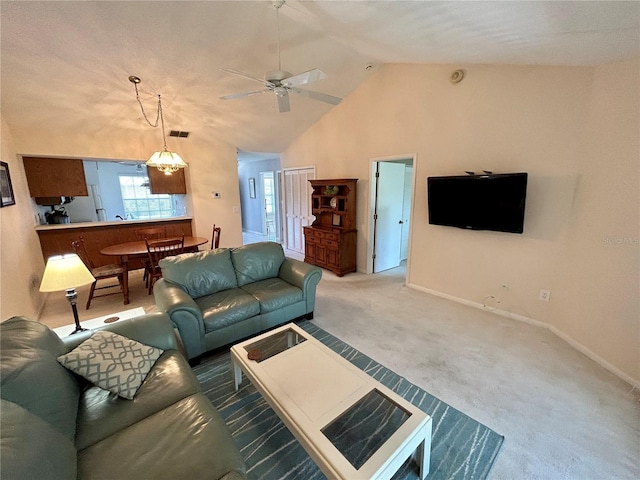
[{"x": 166, "y": 161}]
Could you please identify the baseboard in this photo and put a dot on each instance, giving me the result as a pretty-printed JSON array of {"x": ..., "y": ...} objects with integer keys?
[{"x": 521, "y": 318}]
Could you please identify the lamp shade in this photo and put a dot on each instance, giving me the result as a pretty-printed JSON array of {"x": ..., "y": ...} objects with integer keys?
[
  {"x": 166, "y": 161},
  {"x": 64, "y": 272}
]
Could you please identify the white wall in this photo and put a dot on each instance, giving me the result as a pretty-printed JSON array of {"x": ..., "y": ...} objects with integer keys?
[{"x": 506, "y": 119}]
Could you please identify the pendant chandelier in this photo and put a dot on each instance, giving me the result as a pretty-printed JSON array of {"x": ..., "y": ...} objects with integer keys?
[{"x": 164, "y": 160}]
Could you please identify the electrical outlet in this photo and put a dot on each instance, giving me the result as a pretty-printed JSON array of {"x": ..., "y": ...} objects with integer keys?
[{"x": 544, "y": 295}]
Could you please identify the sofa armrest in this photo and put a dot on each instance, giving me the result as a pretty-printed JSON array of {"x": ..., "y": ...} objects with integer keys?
[
  {"x": 300, "y": 274},
  {"x": 304, "y": 276},
  {"x": 154, "y": 329},
  {"x": 184, "y": 312}
]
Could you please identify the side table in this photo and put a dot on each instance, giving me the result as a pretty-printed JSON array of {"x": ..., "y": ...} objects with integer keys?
[{"x": 100, "y": 321}]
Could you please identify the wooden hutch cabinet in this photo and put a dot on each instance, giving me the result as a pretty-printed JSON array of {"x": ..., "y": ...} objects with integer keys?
[{"x": 330, "y": 242}]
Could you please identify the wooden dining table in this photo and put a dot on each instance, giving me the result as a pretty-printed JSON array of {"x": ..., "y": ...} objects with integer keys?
[{"x": 139, "y": 248}]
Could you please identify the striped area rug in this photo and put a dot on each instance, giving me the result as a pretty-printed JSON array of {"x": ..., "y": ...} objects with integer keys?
[{"x": 461, "y": 448}]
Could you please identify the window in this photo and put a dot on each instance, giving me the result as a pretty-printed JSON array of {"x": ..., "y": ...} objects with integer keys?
[{"x": 139, "y": 202}]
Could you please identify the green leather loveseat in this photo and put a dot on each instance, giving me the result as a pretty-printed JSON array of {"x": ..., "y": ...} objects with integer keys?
[
  {"x": 56, "y": 425},
  {"x": 218, "y": 297}
]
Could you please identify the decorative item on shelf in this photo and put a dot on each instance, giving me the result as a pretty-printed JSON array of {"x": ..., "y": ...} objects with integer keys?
[
  {"x": 255, "y": 354},
  {"x": 164, "y": 160},
  {"x": 333, "y": 203},
  {"x": 66, "y": 272},
  {"x": 332, "y": 190}
]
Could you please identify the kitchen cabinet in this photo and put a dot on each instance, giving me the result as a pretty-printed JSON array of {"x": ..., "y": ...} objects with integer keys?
[
  {"x": 55, "y": 177},
  {"x": 330, "y": 241},
  {"x": 161, "y": 183}
]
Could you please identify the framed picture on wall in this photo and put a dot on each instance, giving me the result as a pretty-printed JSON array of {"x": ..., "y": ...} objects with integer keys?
[
  {"x": 6, "y": 189},
  {"x": 252, "y": 188}
]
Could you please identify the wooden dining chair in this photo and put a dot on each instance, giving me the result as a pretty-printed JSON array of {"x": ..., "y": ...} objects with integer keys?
[
  {"x": 150, "y": 233},
  {"x": 215, "y": 237},
  {"x": 159, "y": 249},
  {"x": 99, "y": 273}
]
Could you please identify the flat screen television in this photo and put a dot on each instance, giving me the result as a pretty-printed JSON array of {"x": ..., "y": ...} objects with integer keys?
[{"x": 478, "y": 202}]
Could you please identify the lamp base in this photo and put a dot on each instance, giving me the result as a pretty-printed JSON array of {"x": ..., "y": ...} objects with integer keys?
[
  {"x": 72, "y": 296},
  {"x": 78, "y": 330}
]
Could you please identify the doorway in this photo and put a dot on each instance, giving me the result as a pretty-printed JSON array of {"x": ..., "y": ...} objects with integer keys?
[
  {"x": 269, "y": 197},
  {"x": 392, "y": 186}
]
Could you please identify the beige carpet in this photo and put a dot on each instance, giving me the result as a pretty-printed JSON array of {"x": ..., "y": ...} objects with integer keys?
[{"x": 562, "y": 415}]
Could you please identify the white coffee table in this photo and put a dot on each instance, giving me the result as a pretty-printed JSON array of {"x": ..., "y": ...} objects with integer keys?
[
  {"x": 100, "y": 321},
  {"x": 315, "y": 391}
]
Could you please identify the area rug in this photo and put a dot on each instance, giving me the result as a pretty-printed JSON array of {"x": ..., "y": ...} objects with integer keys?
[{"x": 461, "y": 448}]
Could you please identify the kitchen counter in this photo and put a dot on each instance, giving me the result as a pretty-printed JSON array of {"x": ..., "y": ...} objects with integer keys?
[
  {"x": 56, "y": 239},
  {"x": 66, "y": 226}
]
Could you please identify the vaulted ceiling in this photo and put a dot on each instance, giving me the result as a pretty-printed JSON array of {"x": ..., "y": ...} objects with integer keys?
[{"x": 65, "y": 65}]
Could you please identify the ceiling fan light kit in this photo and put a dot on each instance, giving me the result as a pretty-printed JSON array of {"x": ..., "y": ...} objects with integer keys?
[
  {"x": 164, "y": 160},
  {"x": 282, "y": 82}
]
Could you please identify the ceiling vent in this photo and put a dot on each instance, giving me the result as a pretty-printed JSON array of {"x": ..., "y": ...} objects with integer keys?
[{"x": 178, "y": 133}]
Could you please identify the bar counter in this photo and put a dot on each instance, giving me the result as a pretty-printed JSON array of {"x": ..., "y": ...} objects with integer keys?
[{"x": 56, "y": 239}]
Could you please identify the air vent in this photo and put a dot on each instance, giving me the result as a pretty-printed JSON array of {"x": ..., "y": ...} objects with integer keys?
[{"x": 178, "y": 133}]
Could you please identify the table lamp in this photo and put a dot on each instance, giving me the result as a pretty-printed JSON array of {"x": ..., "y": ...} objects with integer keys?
[{"x": 66, "y": 272}]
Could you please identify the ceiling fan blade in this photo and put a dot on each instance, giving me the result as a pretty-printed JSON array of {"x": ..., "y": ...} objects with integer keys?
[
  {"x": 304, "y": 78},
  {"x": 323, "y": 97},
  {"x": 244, "y": 75},
  {"x": 283, "y": 100},
  {"x": 244, "y": 94}
]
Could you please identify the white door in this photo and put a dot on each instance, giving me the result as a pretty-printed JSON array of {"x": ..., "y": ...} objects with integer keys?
[
  {"x": 388, "y": 215},
  {"x": 406, "y": 212},
  {"x": 297, "y": 206}
]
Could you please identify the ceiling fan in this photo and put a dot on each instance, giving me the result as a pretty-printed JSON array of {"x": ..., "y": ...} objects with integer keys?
[{"x": 281, "y": 82}]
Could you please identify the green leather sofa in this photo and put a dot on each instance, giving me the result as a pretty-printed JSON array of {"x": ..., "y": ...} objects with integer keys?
[
  {"x": 218, "y": 297},
  {"x": 56, "y": 425}
]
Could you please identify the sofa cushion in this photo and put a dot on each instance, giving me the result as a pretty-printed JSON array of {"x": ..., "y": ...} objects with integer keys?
[
  {"x": 226, "y": 308},
  {"x": 33, "y": 448},
  {"x": 103, "y": 413},
  {"x": 257, "y": 261},
  {"x": 273, "y": 294},
  {"x": 201, "y": 273},
  {"x": 31, "y": 377},
  {"x": 188, "y": 440},
  {"x": 112, "y": 362}
]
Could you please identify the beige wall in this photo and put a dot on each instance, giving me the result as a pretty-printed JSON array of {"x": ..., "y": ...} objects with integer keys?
[
  {"x": 20, "y": 269},
  {"x": 212, "y": 166},
  {"x": 599, "y": 306},
  {"x": 508, "y": 119}
]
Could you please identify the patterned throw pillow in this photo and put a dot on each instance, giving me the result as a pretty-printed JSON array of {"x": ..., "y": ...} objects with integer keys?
[{"x": 112, "y": 362}]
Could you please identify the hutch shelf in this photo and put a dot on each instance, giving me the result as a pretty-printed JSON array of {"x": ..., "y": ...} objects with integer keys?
[{"x": 330, "y": 241}]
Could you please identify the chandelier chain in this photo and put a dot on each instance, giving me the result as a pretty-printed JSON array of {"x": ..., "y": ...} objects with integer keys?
[{"x": 144, "y": 114}]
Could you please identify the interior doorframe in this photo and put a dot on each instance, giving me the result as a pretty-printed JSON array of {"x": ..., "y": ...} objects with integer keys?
[{"x": 372, "y": 205}]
